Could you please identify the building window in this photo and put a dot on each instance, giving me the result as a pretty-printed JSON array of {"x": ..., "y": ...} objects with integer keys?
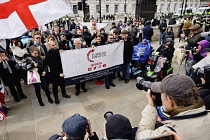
[
  {"x": 116, "y": 8},
  {"x": 175, "y": 5},
  {"x": 107, "y": 8},
  {"x": 125, "y": 8},
  {"x": 97, "y": 9},
  {"x": 75, "y": 10},
  {"x": 168, "y": 7}
]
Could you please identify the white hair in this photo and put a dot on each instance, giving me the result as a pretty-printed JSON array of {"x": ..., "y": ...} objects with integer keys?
[{"x": 77, "y": 39}]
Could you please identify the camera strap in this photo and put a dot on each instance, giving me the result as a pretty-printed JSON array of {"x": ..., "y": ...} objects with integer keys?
[{"x": 189, "y": 116}]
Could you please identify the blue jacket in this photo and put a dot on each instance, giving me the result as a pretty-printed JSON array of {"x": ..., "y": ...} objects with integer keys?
[
  {"x": 141, "y": 52},
  {"x": 148, "y": 33}
]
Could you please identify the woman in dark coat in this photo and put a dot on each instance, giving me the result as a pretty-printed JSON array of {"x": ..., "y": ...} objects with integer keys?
[
  {"x": 168, "y": 34},
  {"x": 98, "y": 43},
  {"x": 10, "y": 76},
  {"x": 166, "y": 50},
  {"x": 35, "y": 60}
]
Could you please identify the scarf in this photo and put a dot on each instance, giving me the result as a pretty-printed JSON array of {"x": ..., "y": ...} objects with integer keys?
[
  {"x": 39, "y": 46},
  {"x": 6, "y": 66},
  {"x": 176, "y": 111}
]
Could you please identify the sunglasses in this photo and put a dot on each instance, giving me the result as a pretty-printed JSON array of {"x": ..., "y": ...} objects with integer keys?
[
  {"x": 63, "y": 36},
  {"x": 111, "y": 38},
  {"x": 38, "y": 38}
]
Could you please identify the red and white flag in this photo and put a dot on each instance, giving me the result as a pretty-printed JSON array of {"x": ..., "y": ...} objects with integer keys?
[{"x": 19, "y": 16}]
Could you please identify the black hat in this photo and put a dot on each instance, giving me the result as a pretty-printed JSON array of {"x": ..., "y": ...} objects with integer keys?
[
  {"x": 72, "y": 19},
  {"x": 85, "y": 27},
  {"x": 118, "y": 126},
  {"x": 102, "y": 29},
  {"x": 113, "y": 23},
  {"x": 77, "y": 27}
]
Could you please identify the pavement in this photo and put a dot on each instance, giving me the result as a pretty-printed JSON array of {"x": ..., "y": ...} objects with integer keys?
[{"x": 28, "y": 120}]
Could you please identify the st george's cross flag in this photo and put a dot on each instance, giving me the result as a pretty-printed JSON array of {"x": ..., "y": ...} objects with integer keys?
[{"x": 19, "y": 16}]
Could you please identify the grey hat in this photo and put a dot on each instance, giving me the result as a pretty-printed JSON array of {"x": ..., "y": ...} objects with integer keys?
[
  {"x": 75, "y": 126},
  {"x": 175, "y": 85}
]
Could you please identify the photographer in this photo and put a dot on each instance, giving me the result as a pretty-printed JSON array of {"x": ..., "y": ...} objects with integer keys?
[
  {"x": 75, "y": 128},
  {"x": 188, "y": 116},
  {"x": 118, "y": 127},
  {"x": 199, "y": 53}
]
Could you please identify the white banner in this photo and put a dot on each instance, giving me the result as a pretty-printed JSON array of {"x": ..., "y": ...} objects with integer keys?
[{"x": 88, "y": 60}]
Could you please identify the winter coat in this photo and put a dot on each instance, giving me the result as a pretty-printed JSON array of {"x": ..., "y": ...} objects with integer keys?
[
  {"x": 29, "y": 61},
  {"x": 53, "y": 60},
  {"x": 167, "y": 35},
  {"x": 188, "y": 129},
  {"x": 193, "y": 39},
  {"x": 166, "y": 52},
  {"x": 141, "y": 52},
  {"x": 162, "y": 27},
  {"x": 72, "y": 26},
  {"x": 65, "y": 45},
  {"x": 128, "y": 51},
  {"x": 148, "y": 33},
  {"x": 7, "y": 77},
  {"x": 88, "y": 39},
  {"x": 96, "y": 44},
  {"x": 172, "y": 21},
  {"x": 186, "y": 26}
]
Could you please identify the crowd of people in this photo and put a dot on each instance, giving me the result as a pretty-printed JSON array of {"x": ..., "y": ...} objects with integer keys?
[{"x": 39, "y": 50}]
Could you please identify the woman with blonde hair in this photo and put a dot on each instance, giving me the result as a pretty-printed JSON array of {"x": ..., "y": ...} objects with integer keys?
[{"x": 36, "y": 60}]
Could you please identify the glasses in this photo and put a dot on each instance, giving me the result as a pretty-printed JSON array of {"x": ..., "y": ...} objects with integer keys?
[
  {"x": 38, "y": 38},
  {"x": 111, "y": 38},
  {"x": 63, "y": 36}
]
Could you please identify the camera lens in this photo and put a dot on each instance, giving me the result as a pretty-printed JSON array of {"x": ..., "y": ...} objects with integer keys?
[{"x": 108, "y": 114}]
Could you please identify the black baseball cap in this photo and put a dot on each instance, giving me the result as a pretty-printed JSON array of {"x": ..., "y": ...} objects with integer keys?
[{"x": 175, "y": 85}]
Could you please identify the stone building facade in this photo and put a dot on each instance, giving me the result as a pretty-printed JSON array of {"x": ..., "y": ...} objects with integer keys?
[{"x": 118, "y": 6}]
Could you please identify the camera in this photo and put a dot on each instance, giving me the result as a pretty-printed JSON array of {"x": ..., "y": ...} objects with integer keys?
[
  {"x": 194, "y": 49},
  {"x": 204, "y": 73},
  {"x": 107, "y": 115},
  {"x": 142, "y": 84}
]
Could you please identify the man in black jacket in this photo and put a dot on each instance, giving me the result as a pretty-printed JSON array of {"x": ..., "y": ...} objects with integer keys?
[
  {"x": 128, "y": 51},
  {"x": 63, "y": 43},
  {"x": 148, "y": 32},
  {"x": 172, "y": 21},
  {"x": 53, "y": 60},
  {"x": 72, "y": 25},
  {"x": 162, "y": 29}
]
